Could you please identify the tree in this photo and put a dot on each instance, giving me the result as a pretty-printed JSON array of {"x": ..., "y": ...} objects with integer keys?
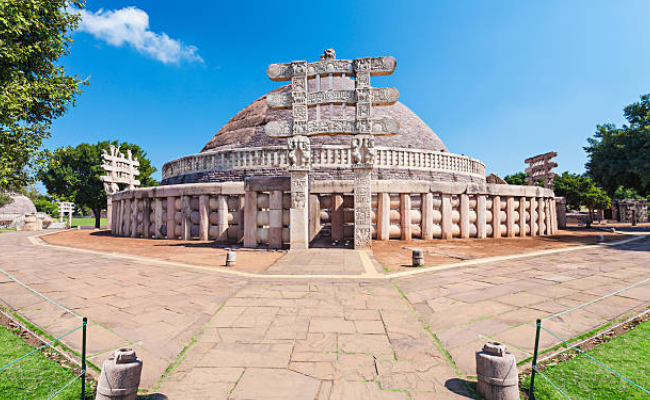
[
  {"x": 518, "y": 178},
  {"x": 580, "y": 191},
  {"x": 72, "y": 174},
  {"x": 621, "y": 156},
  {"x": 43, "y": 203},
  {"x": 34, "y": 89}
]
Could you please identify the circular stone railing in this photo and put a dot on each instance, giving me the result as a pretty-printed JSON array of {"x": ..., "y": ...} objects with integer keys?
[{"x": 327, "y": 156}]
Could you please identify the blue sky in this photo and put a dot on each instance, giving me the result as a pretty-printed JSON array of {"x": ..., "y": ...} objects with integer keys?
[{"x": 496, "y": 80}]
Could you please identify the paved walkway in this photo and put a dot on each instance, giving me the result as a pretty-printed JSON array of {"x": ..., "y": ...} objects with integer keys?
[{"x": 318, "y": 337}]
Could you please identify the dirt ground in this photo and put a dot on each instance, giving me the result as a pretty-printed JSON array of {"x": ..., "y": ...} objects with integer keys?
[
  {"x": 393, "y": 255},
  {"x": 190, "y": 252},
  {"x": 396, "y": 255}
]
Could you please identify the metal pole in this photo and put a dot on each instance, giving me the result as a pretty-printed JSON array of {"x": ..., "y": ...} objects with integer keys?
[
  {"x": 531, "y": 392},
  {"x": 83, "y": 360}
]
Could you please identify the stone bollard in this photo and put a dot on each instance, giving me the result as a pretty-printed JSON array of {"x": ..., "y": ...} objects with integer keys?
[
  {"x": 418, "y": 257},
  {"x": 231, "y": 258},
  {"x": 120, "y": 377},
  {"x": 496, "y": 370}
]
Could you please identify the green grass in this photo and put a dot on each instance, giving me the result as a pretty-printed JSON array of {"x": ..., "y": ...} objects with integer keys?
[
  {"x": 7, "y": 230},
  {"x": 582, "y": 378},
  {"x": 86, "y": 221},
  {"x": 34, "y": 377}
]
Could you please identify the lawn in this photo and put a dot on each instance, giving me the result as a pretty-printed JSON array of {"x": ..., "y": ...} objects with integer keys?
[
  {"x": 582, "y": 378},
  {"x": 34, "y": 377},
  {"x": 86, "y": 221}
]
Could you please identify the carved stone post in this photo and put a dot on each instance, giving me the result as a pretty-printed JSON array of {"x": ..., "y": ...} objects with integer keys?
[
  {"x": 298, "y": 214},
  {"x": 362, "y": 207},
  {"x": 363, "y": 153}
]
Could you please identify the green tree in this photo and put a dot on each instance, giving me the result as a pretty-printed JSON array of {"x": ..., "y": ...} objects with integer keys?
[
  {"x": 43, "y": 203},
  {"x": 518, "y": 178},
  {"x": 72, "y": 174},
  {"x": 580, "y": 191},
  {"x": 34, "y": 88},
  {"x": 621, "y": 156}
]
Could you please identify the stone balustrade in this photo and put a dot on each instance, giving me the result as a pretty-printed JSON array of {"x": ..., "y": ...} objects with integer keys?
[
  {"x": 257, "y": 213},
  {"x": 275, "y": 157}
]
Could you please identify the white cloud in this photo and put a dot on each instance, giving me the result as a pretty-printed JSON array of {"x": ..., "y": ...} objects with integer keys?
[{"x": 130, "y": 25}]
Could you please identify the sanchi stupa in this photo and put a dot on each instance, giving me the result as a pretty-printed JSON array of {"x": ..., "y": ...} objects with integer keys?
[{"x": 328, "y": 157}]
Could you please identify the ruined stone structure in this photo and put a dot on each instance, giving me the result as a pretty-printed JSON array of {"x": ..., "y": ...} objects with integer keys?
[
  {"x": 541, "y": 168},
  {"x": 329, "y": 157},
  {"x": 631, "y": 211},
  {"x": 120, "y": 169}
]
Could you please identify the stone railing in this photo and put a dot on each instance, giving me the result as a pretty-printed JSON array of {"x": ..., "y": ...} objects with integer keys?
[
  {"x": 326, "y": 156},
  {"x": 256, "y": 213}
]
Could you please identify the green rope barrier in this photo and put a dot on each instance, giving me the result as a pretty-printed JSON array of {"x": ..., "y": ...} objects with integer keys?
[
  {"x": 39, "y": 294},
  {"x": 596, "y": 361},
  {"x": 63, "y": 388},
  {"x": 42, "y": 347},
  {"x": 593, "y": 301}
]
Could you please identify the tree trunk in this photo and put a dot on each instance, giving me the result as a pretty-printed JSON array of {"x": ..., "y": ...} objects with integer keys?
[{"x": 98, "y": 218}]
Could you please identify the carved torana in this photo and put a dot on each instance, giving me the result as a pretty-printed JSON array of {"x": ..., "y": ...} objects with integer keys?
[
  {"x": 120, "y": 169},
  {"x": 541, "y": 168},
  {"x": 363, "y": 127}
]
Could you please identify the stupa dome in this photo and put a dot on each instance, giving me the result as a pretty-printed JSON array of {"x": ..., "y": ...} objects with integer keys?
[
  {"x": 246, "y": 129},
  {"x": 241, "y": 148},
  {"x": 19, "y": 205}
]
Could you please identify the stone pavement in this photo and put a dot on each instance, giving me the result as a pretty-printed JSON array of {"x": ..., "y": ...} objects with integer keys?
[
  {"x": 317, "y": 337},
  {"x": 335, "y": 261},
  {"x": 501, "y": 301},
  {"x": 154, "y": 309}
]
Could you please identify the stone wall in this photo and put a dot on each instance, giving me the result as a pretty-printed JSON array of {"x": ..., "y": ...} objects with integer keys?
[
  {"x": 257, "y": 213},
  {"x": 631, "y": 211}
]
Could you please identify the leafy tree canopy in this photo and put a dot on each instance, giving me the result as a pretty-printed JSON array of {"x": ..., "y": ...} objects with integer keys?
[
  {"x": 625, "y": 194},
  {"x": 580, "y": 191},
  {"x": 72, "y": 174},
  {"x": 34, "y": 89},
  {"x": 621, "y": 156},
  {"x": 518, "y": 178}
]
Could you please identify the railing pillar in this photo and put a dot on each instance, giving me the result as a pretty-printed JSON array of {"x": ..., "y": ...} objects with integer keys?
[
  {"x": 446, "y": 223},
  {"x": 522, "y": 216},
  {"x": 481, "y": 224},
  {"x": 405, "y": 217},
  {"x": 250, "y": 219},
  {"x": 464, "y": 216},
  {"x": 510, "y": 216},
  {"x": 496, "y": 217},
  {"x": 204, "y": 217},
  {"x": 427, "y": 216}
]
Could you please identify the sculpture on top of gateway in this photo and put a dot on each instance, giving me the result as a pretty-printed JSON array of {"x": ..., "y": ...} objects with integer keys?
[{"x": 363, "y": 128}]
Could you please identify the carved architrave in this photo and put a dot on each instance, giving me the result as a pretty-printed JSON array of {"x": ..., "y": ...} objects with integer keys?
[
  {"x": 378, "y": 96},
  {"x": 376, "y": 126},
  {"x": 377, "y": 66}
]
